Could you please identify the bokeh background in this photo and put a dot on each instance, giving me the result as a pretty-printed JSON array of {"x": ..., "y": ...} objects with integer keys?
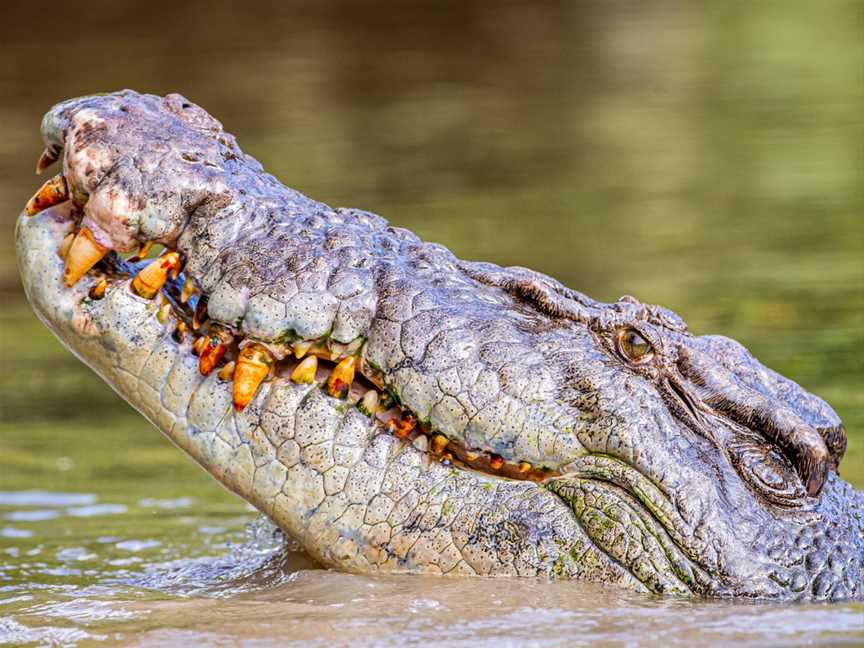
[{"x": 705, "y": 156}]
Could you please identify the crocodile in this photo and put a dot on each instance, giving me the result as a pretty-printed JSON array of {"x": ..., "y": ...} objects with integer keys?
[{"x": 395, "y": 409}]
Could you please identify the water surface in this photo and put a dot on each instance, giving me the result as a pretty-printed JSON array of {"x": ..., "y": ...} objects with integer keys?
[{"x": 706, "y": 159}]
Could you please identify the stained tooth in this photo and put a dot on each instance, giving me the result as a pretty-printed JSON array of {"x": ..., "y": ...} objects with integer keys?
[
  {"x": 340, "y": 380},
  {"x": 523, "y": 467},
  {"x": 369, "y": 404},
  {"x": 252, "y": 367},
  {"x": 47, "y": 158},
  {"x": 84, "y": 253},
  {"x": 200, "y": 315},
  {"x": 98, "y": 291},
  {"x": 305, "y": 371},
  {"x": 198, "y": 344},
  {"x": 471, "y": 456},
  {"x": 401, "y": 428},
  {"x": 496, "y": 462},
  {"x": 301, "y": 348},
  {"x": 226, "y": 373},
  {"x": 63, "y": 250},
  {"x": 144, "y": 249},
  {"x": 188, "y": 290},
  {"x": 211, "y": 352},
  {"x": 439, "y": 443},
  {"x": 153, "y": 276},
  {"x": 337, "y": 350},
  {"x": 421, "y": 443},
  {"x": 53, "y": 192},
  {"x": 163, "y": 312}
]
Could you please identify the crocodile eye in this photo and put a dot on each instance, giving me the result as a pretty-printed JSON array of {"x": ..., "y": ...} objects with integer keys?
[{"x": 633, "y": 346}]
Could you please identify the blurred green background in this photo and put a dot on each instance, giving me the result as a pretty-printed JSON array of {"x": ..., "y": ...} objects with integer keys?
[{"x": 708, "y": 157}]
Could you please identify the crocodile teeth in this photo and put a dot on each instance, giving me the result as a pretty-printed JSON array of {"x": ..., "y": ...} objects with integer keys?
[
  {"x": 47, "y": 158},
  {"x": 301, "y": 348},
  {"x": 144, "y": 249},
  {"x": 211, "y": 351},
  {"x": 153, "y": 276},
  {"x": 369, "y": 404},
  {"x": 339, "y": 382},
  {"x": 252, "y": 366},
  {"x": 188, "y": 290},
  {"x": 84, "y": 253},
  {"x": 98, "y": 291},
  {"x": 180, "y": 332},
  {"x": 496, "y": 462},
  {"x": 304, "y": 373},
  {"x": 65, "y": 244},
  {"x": 53, "y": 192},
  {"x": 226, "y": 373},
  {"x": 401, "y": 428},
  {"x": 439, "y": 443},
  {"x": 163, "y": 312},
  {"x": 523, "y": 467}
]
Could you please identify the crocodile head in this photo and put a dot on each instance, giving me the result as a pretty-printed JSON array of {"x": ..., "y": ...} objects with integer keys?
[{"x": 396, "y": 409}]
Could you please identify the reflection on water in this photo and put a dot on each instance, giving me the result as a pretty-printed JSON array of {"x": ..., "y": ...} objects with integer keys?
[{"x": 709, "y": 160}]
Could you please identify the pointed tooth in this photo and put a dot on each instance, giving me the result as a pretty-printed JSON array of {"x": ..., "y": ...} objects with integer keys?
[
  {"x": 304, "y": 372},
  {"x": 198, "y": 344},
  {"x": 523, "y": 467},
  {"x": 471, "y": 456},
  {"x": 188, "y": 290},
  {"x": 84, "y": 253},
  {"x": 211, "y": 352},
  {"x": 339, "y": 382},
  {"x": 163, "y": 312},
  {"x": 53, "y": 192},
  {"x": 180, "y": 332},
  {"x": 439, "y": 443},
  {"x": 226, "y": 373},
  {"x": 369, "y": 404},
  {"x": 252, "y": 367},
  {"x": 421, "y": 443},
  {"x": 337, "y": 350},
  {"x": 144, "y": 249},
  {"x": 63, "y": 250},
  {"x": 153, "y": 276},
  {"x": 47, "y": 158},
  {"x": 496, "y": 462},
  {"x": 301, "y": 347},
  {"x": 98, "y": 291}
]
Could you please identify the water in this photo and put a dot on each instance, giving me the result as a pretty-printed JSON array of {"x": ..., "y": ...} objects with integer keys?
[{"x": 706, "y": 159}]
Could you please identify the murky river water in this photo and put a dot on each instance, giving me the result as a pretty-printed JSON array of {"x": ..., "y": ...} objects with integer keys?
[{"x": 709, "y": 160}]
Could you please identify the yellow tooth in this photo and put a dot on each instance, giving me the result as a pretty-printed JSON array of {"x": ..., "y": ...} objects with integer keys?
[
  {"x": 339, "y": 382},
  {"x": 496, "y": 462},
  {"x": 301, "y": 348},
  {"x": 163, "y": 312},
  {"x": 153, "y": 276},
  {"x": 226, "y": 373},
  {"x": 211, "y": 352},
  {"x": 84, "y": 253},
  {"x": 144, "y": 249},
  {"x": 369, "y": 404},
  {"x": 53, "y": 192},
  {"x": 524, "y": 467},
  {"x": 471, "y": 456},
  {"x": 305, "y": 371},
  {"x": 401, "y": 427},
  {"x": 63, "y": 250},
  {"x": 199, "y": 343},
  {"x": 98, "y": 291},
  {"x": 189, "y": 289},
  {"x": 439, "y": 443},
  {"x": 253, "y": 365},
  {"x": 336, "y": 350},
  {"x": 47, "y": 158}
]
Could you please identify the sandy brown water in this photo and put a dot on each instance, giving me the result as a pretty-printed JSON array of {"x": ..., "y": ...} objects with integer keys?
[{"x": 706, "y": 159}]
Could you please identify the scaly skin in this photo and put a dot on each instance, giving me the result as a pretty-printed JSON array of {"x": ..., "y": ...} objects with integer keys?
[{"x": 684, "y": 466}]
